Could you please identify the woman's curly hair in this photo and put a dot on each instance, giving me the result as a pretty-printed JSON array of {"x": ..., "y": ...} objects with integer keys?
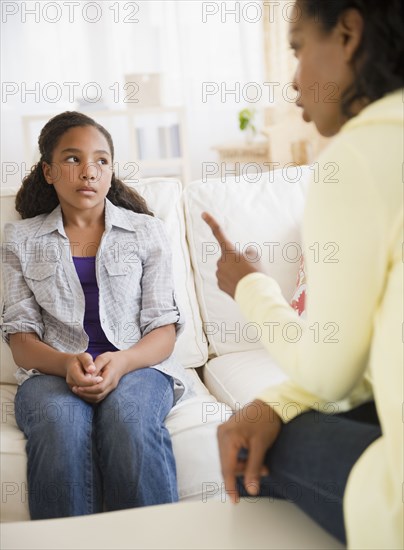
[
  {"x": 36, "y": 196},
  {"x": 379, "y": 60}
]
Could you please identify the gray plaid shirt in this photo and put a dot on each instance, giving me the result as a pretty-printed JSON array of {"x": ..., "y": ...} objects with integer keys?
[{"x": 43, "y": 294}]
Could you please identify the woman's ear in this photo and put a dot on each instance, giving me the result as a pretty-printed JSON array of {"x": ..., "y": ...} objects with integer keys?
[
  {"x": 350, "y": 28},
  {"x": 47, "y": 172}
]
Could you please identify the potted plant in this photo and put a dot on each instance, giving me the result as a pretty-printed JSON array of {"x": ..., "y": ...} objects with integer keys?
[{"x": 246, "y": 122}]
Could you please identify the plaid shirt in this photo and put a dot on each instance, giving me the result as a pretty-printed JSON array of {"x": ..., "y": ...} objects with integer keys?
[{"x": 43, "y": 294}]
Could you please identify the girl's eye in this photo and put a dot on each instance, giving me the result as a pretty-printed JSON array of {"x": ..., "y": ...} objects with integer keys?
[
  {"x": 103, "y": 161},
  {"x": 72, "y": 159}
]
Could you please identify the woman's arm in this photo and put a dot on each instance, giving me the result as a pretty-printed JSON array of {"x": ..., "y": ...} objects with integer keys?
[
  {"x": 345, "y": 234},
  {"x": 345, "y": 245}
]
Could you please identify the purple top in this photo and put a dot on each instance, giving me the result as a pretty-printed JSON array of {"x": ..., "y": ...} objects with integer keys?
[{"x": 98, "y": 343}]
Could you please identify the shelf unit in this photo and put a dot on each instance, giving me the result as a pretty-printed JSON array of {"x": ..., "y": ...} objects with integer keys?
[
  {"x": 237, "y": 154},
  {"x": 126, "y": 139}
]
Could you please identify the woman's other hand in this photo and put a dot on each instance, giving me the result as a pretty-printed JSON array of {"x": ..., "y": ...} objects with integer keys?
[{"x": 254, "y": 428}]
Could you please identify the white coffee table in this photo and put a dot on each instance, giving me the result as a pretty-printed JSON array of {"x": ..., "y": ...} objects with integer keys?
[{"x": 211, "y": 525}]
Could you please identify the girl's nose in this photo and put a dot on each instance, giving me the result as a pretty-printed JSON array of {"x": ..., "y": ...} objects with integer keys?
[{"x": 89, "y": 172}]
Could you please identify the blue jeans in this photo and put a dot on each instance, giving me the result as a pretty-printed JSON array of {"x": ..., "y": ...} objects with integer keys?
[
  {"x": 85, "y": 458},
  {"x": 310, "y": 462}
]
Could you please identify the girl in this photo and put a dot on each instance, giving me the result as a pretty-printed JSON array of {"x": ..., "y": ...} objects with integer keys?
[
  {"x": 90, "y": 307},
  {"x": 349, "y": 359}
]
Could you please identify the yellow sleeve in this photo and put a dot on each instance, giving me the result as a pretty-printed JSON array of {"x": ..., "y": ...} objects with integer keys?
[{"x": 345, "y": 247}]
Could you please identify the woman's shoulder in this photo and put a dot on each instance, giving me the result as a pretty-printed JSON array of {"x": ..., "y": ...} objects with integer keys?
[{"x": 357, "y": 155}]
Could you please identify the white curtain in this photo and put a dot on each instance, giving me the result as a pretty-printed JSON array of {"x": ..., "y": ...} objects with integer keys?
[
  {"x": 279, "y": 61},
  {"x": 194, "y": 45},
  {"x": 304, "y": 143}
]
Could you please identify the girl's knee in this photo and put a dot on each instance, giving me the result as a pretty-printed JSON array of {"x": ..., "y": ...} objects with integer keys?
[{"x": 55, "y": 419}]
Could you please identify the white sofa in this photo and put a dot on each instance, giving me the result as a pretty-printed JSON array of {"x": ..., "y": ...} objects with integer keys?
[{"x": 218, "y": 345}]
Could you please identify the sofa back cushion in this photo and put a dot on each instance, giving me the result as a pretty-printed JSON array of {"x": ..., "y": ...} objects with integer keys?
[
  {"x": 265, "y": 215},
  {"x": 163, "y": 197}
]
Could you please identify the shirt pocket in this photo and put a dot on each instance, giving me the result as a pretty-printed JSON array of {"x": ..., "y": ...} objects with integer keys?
[
  {"x": 124, "y": 280},
  {"x": 40, "y": 278}
]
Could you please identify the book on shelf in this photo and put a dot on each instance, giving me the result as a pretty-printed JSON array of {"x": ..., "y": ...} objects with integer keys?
[
  {"x": 175, "y": 140},
  {"x": 161, "y": 144},
  {"x": 147, "y": 143},
  {"x": 164, "y": 142},
  {"x": 140, "y": 141}
]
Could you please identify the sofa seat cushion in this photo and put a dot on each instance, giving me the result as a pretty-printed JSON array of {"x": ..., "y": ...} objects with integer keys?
[
  {"x": 237, "y": 378},
  {"x": 193, "y": 436},
  {"x": 13, "y": 461}
]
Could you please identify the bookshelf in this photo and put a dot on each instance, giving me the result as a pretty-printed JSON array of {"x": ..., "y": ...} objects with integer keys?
[{"x": 148, "y": 141}]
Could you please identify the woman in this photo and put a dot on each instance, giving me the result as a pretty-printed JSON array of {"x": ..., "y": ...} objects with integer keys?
[
  {"x": 91, "y": 319},
  {"x": 346, "y": 467}
]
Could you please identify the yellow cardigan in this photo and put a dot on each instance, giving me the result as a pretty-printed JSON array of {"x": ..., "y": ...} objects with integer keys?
[{"x": 349, "y": 349}]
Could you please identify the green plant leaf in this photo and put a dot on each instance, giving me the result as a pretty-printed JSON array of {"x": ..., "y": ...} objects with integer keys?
[{"x": 246, "y": 117}]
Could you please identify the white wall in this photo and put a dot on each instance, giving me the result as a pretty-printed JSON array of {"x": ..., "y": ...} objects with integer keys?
[{"x": 177, "y": 38}]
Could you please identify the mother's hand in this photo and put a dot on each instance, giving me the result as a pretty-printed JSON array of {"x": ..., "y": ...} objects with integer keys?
[
  {"x": 232, "y": 265},
  {"x": 254, "y": 428}
]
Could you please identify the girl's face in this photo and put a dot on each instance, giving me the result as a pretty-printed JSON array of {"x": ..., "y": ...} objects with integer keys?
[
  {"x": 324, "y": 68},
  {"x": 81, "y": 169}
]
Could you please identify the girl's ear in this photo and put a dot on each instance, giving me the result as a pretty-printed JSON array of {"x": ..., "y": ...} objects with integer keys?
[
  {"x": 350, "y": 27},
  {"x": 47, "y": 172}
]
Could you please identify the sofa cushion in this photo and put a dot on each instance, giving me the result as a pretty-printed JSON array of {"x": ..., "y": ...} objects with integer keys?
[
  {"x": 237, "y": 378},
  {"x": 164, "y": 199},
  {"x": 264, "y": 215},
  {"x": 192, "y": 425}
]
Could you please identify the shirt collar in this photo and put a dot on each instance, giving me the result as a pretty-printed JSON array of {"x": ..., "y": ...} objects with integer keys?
[
  {"x": 52, "y": 222},
  {"x": 114, "y": 216}
]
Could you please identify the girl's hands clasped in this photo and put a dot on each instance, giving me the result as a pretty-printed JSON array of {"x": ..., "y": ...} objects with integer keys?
[
  {"x": 81, "y": 371},
  {"x": 254, "y": 428},
  {"x": 109, "y": 367}
]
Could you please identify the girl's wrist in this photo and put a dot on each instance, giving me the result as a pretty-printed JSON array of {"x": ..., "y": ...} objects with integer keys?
[
  {"x": 128, "y": 360},
  {"x": 65, "y": 358}
]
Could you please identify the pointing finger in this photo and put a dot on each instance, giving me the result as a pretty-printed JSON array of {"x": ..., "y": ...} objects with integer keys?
[{"x": 219, "y": 235}]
